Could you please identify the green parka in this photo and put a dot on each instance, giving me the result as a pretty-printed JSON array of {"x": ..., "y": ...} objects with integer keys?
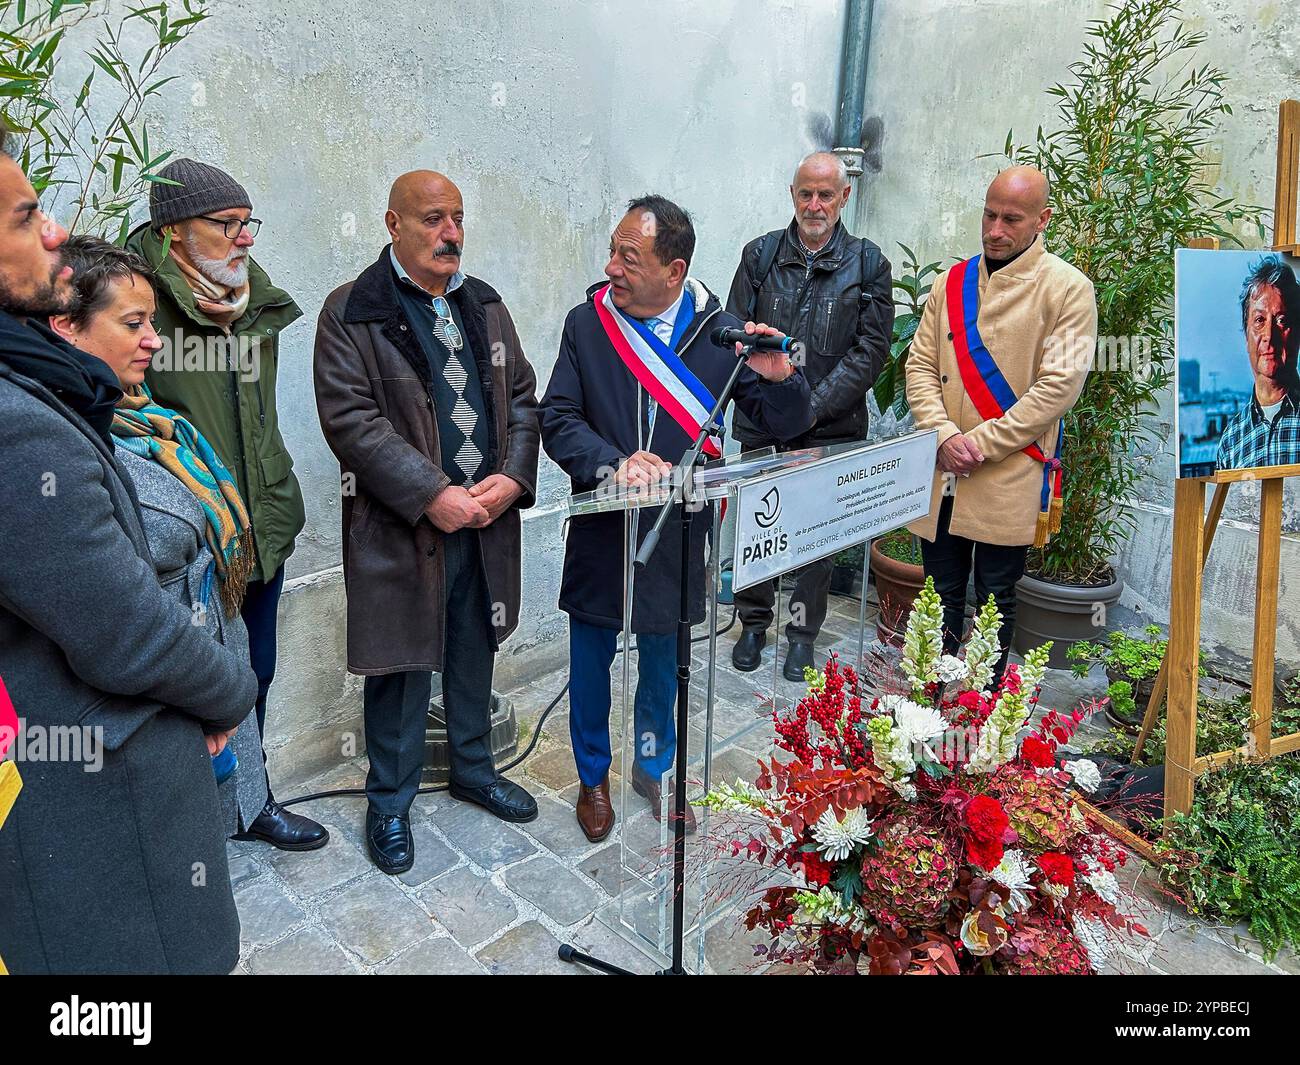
[{"x": 225, "y": 385}]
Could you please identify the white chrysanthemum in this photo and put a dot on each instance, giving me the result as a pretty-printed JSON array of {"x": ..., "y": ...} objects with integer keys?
[
  {"x": 837, "y": 838},
  {"x": 951, "y": 669},
  {"x": 1103, "y": 882},
  {"x": 916, "y": 723},
  {"x": 1086, "y": 774},
  {"x": 1013, "y": 873},
  {"x": 1056, "y": 891},
  {"x": 890, "y": 702}
]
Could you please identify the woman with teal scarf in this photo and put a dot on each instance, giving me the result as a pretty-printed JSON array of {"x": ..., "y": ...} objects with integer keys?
[{"x": 194, "y": 519}]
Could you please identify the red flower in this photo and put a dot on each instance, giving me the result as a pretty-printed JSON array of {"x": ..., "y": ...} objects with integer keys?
[
  {"x": 1036, "y": 753},
  {"x": 1057, "y": 868},
  {"x": 816, "y": 871},
  {"x": 986, "y": 827}
]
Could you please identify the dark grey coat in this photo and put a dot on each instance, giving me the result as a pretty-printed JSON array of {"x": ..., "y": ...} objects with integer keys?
[
  {"x": 122, "y": 870},
  {"x": 174, "y": 526}
]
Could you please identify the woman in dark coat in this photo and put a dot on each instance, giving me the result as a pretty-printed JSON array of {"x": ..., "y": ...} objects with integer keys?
[{"x": 195, "y": 522}]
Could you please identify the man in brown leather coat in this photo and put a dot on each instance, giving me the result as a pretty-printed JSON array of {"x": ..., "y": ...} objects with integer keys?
[{"x": 425, "y": 396}]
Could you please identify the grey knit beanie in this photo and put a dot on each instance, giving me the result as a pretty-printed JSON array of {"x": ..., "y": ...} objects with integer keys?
[{"x": 203, "y": 189}]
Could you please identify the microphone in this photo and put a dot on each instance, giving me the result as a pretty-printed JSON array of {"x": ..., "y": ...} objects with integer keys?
[{"x": 725, "y": 338}]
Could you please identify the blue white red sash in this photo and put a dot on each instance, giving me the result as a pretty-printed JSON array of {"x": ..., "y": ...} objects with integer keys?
[
  {"x": 988, "y": 388},
  {"x": 660, "y": 370}
]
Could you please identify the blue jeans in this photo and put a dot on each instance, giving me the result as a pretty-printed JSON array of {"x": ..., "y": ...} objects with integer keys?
[{"x": 591, "y": 653}]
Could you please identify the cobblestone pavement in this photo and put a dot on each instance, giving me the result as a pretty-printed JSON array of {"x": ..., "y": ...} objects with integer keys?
[{"x": 486, "y": 897}]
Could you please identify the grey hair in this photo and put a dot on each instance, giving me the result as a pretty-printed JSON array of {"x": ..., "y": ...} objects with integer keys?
[{"x": 841, "y": 171}]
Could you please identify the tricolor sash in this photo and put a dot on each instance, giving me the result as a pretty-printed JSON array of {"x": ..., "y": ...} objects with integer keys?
[
  {"x": 659, "y": 369},
  {"x": 989, "y": 391}
]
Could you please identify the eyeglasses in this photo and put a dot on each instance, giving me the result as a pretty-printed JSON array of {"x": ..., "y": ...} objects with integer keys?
[
  {"x": 232, "y": 227},
  {"x": 445, "y": 328}
]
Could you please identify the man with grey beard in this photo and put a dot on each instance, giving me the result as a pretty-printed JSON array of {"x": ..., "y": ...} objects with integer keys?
[{"x": 219, "y": 319}]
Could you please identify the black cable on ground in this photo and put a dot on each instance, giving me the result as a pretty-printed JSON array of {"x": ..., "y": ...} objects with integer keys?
[{"x": 537, "y": 734}]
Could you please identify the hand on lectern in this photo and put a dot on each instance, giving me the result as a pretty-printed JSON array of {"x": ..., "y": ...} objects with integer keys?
[{"x": 642, "y": 468}]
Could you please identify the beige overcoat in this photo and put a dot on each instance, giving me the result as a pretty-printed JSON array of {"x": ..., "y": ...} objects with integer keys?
[{"x": 1038, "y": 318}]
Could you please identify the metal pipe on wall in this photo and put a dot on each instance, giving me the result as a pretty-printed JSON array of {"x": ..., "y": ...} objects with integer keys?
[{"x": 854, "y": 58}]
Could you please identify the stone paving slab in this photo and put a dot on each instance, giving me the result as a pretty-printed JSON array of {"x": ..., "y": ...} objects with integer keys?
[
  {"x": 374, "y": 918},
  {"x": 309, "y": 950},
  {"x": 485, "y": 840},
  {"x": 469, "y": 906},
  {"x": 314, "y": 873},
  {"x": 266, "y": 912},
  {"x": 433, "y": 857},
  {"x": 528, "y": 949},
  {"x": 559, "y": 893},
  {"x": 433, "y": 957}
]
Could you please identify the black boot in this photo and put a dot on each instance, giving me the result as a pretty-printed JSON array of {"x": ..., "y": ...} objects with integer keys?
[
  {"x": 747, "y": 655},
  {"x": 288, "y": 831},
  {"x": 799, "y": 656}
]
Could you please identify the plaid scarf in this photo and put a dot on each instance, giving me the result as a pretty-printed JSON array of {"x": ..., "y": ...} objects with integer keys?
[{"x": 156, "y": 433}]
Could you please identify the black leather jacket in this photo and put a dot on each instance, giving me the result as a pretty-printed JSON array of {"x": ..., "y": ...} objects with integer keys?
[{"x": 841, "y": 307}]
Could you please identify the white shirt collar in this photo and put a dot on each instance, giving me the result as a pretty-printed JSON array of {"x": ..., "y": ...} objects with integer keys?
[{"x": 457, "y": 279}]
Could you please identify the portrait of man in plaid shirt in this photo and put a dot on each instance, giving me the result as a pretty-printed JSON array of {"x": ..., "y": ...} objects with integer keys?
[{"x": 1266, "y": 431}]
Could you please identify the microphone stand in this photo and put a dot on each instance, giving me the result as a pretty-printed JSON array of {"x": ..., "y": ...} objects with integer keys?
[{"x": 682, "y": 473}]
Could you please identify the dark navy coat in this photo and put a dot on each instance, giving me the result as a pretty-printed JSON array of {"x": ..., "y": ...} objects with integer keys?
[{"x": 594, "y": 415}]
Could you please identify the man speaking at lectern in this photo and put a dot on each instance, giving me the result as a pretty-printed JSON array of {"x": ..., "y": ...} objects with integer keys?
[{"x": 636, "y": 376}]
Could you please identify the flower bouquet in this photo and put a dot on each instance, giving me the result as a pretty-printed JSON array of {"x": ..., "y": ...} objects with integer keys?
[{"x": 931, "y": 829}]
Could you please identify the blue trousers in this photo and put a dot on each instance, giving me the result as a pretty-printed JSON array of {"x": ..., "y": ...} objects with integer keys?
[{"x": 591, "y": 653}]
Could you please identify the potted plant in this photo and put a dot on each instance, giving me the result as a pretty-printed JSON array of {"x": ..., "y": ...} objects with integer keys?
[
  {"x": 896, "y": 565},
  {"x": 1128, "y": 164},
  {"x": 846, "y": 573},
  {"x": 1131, "y": 665}
]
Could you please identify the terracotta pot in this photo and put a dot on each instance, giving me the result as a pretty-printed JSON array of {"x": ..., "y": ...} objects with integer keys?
[
  {"x": 1062, "y": 613},
  {"x": 897, "y": 586}
]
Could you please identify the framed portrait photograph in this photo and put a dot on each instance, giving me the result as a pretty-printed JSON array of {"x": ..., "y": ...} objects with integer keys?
[{"x": 1236, "y": 334}]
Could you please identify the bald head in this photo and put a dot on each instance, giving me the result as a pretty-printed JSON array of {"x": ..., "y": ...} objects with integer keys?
[
  {"x": 1015, "y": 211},
  {"x": 417, "y": 187},
  {"x": 426, "y": 222},
  {"x": 1024, "y": 183}
]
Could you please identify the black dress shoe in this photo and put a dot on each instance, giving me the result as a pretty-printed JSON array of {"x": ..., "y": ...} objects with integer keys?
[
  {"x": 501, "y": 798},
  {"x": 799, "y": 656},
  {"x": 747, "y": 655},
  {"x": 388, "y": 838},
  {"x": 288, "y": 831}
]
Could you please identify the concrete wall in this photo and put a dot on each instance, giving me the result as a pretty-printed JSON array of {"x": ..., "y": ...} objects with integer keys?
[{"x": 947, "y": 80}]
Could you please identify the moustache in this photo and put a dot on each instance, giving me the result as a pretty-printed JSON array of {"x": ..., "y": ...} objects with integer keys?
[{"x": 450, "y": 248}]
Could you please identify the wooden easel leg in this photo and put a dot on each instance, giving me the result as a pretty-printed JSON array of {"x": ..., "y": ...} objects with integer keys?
[
  {"x": 1263, "y": 675},
  {"x": 1184, "y": 645},
  {"x": 1161, "y": 684}
]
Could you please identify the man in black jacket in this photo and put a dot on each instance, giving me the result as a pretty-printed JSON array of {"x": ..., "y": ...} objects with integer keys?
[
  {"x": 113, "y": 859},
  {"x": 831, "y": 290},
  {"x": 602, "y": 428}
]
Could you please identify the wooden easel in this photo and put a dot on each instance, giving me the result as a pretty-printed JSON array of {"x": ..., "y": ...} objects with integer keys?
[{"x": 1193, "y": 534}]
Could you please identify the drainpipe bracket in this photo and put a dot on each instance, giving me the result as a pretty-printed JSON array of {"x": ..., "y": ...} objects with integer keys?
[{"x": 852, "y": 160}]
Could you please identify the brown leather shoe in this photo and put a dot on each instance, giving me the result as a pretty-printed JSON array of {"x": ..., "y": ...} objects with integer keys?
[
  {"x": 644, "y": 784},
  {"x": 595, "y": 814}
]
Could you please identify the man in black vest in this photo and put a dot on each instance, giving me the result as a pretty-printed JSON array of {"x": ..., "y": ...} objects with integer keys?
[{"x": 817, "y": 282}]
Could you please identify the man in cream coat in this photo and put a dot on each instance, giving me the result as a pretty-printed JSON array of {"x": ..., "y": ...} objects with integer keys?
[{"x": 1036, "y": 317}]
